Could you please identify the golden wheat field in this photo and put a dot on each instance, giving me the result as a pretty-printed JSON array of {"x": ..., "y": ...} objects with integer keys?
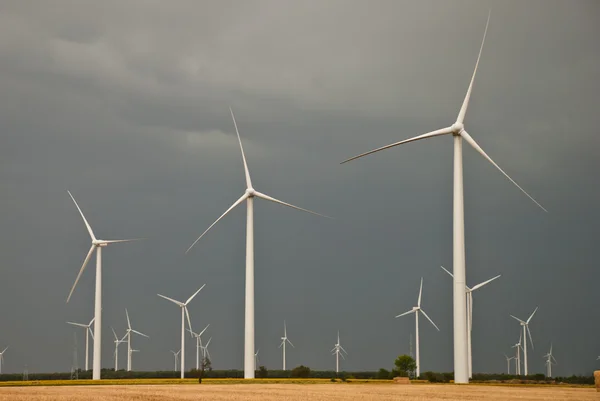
[{"x": 294, "y": 392}]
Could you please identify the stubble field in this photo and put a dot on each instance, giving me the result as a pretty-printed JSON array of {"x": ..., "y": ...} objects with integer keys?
[{"x": 295, "y": 392}]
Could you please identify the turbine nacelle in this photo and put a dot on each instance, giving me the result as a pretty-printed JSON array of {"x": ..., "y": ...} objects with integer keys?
[
  {"x": 457, "y": 128},
  {"x": 250, "y": 192},
  {"x": 99, "y": 242}
]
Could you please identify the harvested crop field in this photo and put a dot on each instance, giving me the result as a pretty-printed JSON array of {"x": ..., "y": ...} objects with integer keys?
[{"x": 293, "y": 392}]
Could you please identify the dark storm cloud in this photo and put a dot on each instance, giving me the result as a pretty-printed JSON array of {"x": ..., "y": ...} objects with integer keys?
[{"x": 126, "y": 105}]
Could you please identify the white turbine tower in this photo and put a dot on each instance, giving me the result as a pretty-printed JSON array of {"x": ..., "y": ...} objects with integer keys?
[
  {"x": 184, "y": 314},
  {"x": 176, "y": 355},
  {"x": 2, "y": 358},
  {"x": 525, "y": 325},
  {"x": 249, "y": 196},
  {"x": 88, "y": 331},
  {"x": 198, "y": 344},
  {"x": 549, "y": 362},
  {"x": 116, "y": 354},
  {"x": 337, "y": 351},
  {"x": 470, "y": 316},
  {"x": 518, "y": 346},
  {"x": 416, "y": 310},
  {"x": 284, "y": 339},
  {"x": 457, "y": 130},
  {"x": 128, "y": 335},
  {"x": 256, "y": 359},
  {"x": 508, "y": 359},
  {"x": 97, "y": 244}
]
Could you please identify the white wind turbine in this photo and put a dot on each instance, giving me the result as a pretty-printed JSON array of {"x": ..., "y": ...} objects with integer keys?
[
  {"x": 249, "y": 196},
  {"x": 2, "y": 358},
  {"x": 525, "y": 325},
  {"x": 549, "y": 362},
  {"x": 198, "y": 344},
  {"x": 284, "y": 339},
  {"x": 470, "y": 316},
  {"x": 128, "y": 335},
  {"x": 256, "y": 359},
  {"x": 508, "y": 359},
  {"x": 88, "y": 331},
  {"x": 518, "y": 346},
  {"x": 205, "y": 353},
  {"x": 97, "y": 244},
  {"x": 457, "y": 130},
  {"x": 176, "y": 355},
  {"x": 184, "y": 314},
  {"x": 416, "y": 310},
  {"x": 116, "y": 354},
  {"x": 337, "y": 351}
]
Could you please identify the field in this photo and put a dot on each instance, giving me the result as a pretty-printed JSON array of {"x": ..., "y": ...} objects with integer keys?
[{"x": 294, "y": 392}]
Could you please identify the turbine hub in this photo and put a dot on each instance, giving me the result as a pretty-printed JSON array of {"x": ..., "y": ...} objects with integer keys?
[
  {"x": 457, "y": 128},
  {"x": 99, "y": 242},
  {"x": 250, "y": 192}
]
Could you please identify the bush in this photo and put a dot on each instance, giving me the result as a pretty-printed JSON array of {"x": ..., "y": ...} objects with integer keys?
[
  {"x": 301, "y": 371},
  {"x": 262, "y": 373}
]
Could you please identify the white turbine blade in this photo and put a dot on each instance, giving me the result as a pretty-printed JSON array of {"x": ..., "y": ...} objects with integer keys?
[
  {"x": 92, "y": 321},
  {"x": 172, "y": 300},
  {"x": 425, "y": 314},
  {"x": 115, "y": 333},
  {"x": 420, "y": 293},
  {"x": 334, "y": 348},
  {"x": 122, "y": 340},
  {"x": 470, "y": 317},
  {"x": 474, "y": 144},
  {"x": 528, "y": 320},
  {"x": 4, "y": 351},
  {"x": 128, "y": 322},
  {"x": 202, "y": 332},
  {"x": 237, "y": 202},
  {"x": 187, "y": 315},
  {"x": 78, "y": 324},
  {"x": 246, "y": 171},
  {"x": 342, "y": 348},
  {"x": 208, "y": 342},
  {"x": 85, "y": 262},
  {"x": 343, "y": 357},
  {"x": 519, "y": 321},
  {"x": 91, "y": 333},
  {"x": 530, "y": 339},
  {"x": 281, "y": 344},
  {"x": 267, "y": 197},
  {"x": 290, "y": 342},
  {"x": 141, "y": 334},
  {"x": 284, "y": 329},
  {"x": 196, "y": 293},
  {"x": 114, "y": 241},
  {"x": 465, "y": 105},
  {"x": 406, "y": 313},
  {"x": 443, "y": 131},
  {"x": 451, "y": 275},
  {"x": 89, "y": 228},
  {"x": 484, "y": 283}
]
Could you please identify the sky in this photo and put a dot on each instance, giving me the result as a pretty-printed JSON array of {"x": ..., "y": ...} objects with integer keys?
[{"x": 127, "y": 106}]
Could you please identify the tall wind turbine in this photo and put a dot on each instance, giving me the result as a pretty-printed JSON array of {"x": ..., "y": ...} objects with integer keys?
[
  {"x": 470, "y": 316},
  {"x": 198, "y": 344},
  {"x": 88, "y": 330},
  {"x": 457, "y": 130},
  {"x": 97, "y": 244},
  {"x": 518, "y": 346},
  {"x": 184, "y": 314},
  {"x": 416, "y": 310},
  {"x": 284, "y": 339},
  {"x": 525, "y": 325},
  {"x": 2, "y": 358},
  {"x": 508, "y": 359},
  {"x": 205, "y": 353},
  {"x": 249, "y": 196},
  {"x": 549, "y": 362},
  {"x": 176, "y": 355},
  {"x": 116, "y": 354},
  {"x": 128, "y": 335},
  {"x": 337, "y": 351}
]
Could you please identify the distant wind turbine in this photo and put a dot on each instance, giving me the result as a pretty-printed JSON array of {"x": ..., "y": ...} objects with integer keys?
[
  {"x": 97, "y": 244},
  {"x": 249, "y": 196},
  {"x": 284, "y": 339},
  {"x": 525, "y": 325},
  {"x": 518, "y": 346},
  {"x": 256, "y": 359},
  {"x": 128, "y": 335},
  {"x": 205, "y": 353},
  {"x": 458, "y": 132},
  {"x": 2, "y": 358},
  {"x": 337, "y": 351},
  {"x": 88, "y": 331},
  {"x": 198, "y": 344},
  {"x": 176, "y": 355},
  {"x": 508, "y": 359},
  {"x": 416, "y": 310},
  {"x": 184, "y": 314},
  {"x": 116, "y": 354},
  {"x": 549, "y": 362}
]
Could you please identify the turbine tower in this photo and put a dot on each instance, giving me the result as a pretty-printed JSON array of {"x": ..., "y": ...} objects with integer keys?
[
  {"x": 457, "y": 130},
  {"x": 116, "y": 354},
  {"x": 508, "y": 359},
  {"x": 549, "y": 362},
  {"x": 97, "y": 245},
  {"x": 249, "y": 196},
  {"x": 184, "y": 314},
  {"x": 198, "y": 344},
  {"x": 176, "y": 355},
  {"x": 284, "y": 339},
  {"x": 337, "y": 351},
  {"x": 470, "y": 316},
  {"x": 2, "y": 358},
  {"x": 416, "y": 310},
  {"x": 518, "y": 346},
  {"x": 128, "y": 335},
  {"x": 525, "y": 325},
  {"x": 88, "y": 331}
]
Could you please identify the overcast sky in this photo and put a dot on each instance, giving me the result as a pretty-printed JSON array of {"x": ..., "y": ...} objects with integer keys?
[{"x": 126, "y": 105}]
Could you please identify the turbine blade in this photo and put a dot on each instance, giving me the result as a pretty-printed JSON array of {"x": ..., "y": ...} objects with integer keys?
[
  {"x": 465, "y": 105},
  {"x": 89, "y": 228},
  {"x": 519, "y": 321},
  {"x": 528, "y": 320},
  {"x": 451, "y": 275},
  {"x": 187, "y": 315},
  {"x": 420, "y": 293},
  {"x": 290, "y": 343},
  {"x": 530, "y": 339},
  {"x": 91, "y": 334},
  {"x": 342, "y": 348},
  {"x": 128, "y": 322},
  {"x": 208, "y": 342},
  {"x": 284, "y": 329},
  {"x": 114, "y": 241},
  {"x": 246, "y": 171},
  {"x": 196, "y": 293},
  {"x": 474, "y": 144},
  {"x": 334, "y": 348},
  {"x": 406, "y": 313},
  {"x": 267, "y": 197},
  {"x": 172, "y": 300},
  {"x": 237, "y": 202},
  {"x": 85, "y": 262},
  {"x": 141, "y": 334},
  {"x": 431, "y": 134},
  {"x": 428, "y": 318},
  {"x": 115, "y": 333},
  {"x": 92, "y": 321},
  {"x": 78, "y": 324},
  {"x": 484, "y": 283},
  {"x": 202, "y": 332},
  {"x": 281, "y": 344},
  {"x": 342, "y": 355}
]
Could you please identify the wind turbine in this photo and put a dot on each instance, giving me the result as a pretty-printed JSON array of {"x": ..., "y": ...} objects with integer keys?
[
  {"x": 518, "y": 346},
  {"x": 176, "y": 355},
  {"x": 88, "y": 330},
  {"x": 284, "y": 339},
  {"x": 337, "y": 351},
  {"x": 470, "y": 315},
  {"x": 457, "y": 130},
  {"x": 549, "y": 362},
  {"x": 117, "y": 343},
  {"x": 249, "y": 196},
  {"x": 526, "y": 332},
  {"x": 508, "y": 359},
  {"x": 2, "y": 358},
  {"x": 598, "y": 359},
  {"x": 416, "y": 310},
  {"x": 128, "y": 335},
  {"x": 256, "y": 359},
  {"x": 198, "y": 344},
  {"x": 205, "y": 352},
  {"x": 184, "y": 314},
  {"x": 97, "y": 244}
]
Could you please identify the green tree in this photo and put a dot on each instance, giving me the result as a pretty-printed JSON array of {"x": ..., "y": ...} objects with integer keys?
[
  {"x": 383, "y": 374},
  {"x": 262, "y": 373},
  {"x": 301, "y": 371},
  {"x": 405, "y": 366}
]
